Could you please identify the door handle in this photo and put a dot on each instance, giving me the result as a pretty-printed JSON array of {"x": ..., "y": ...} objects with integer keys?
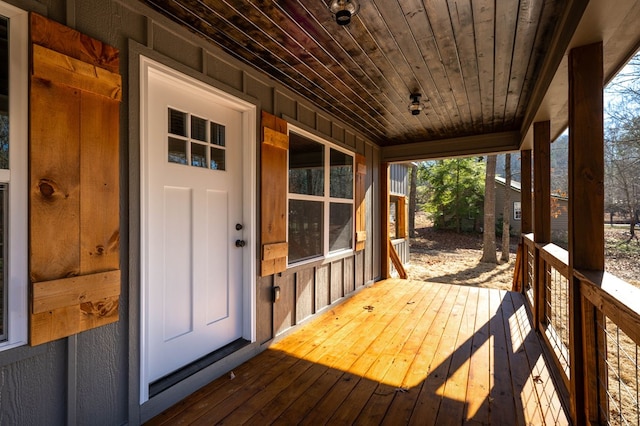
[{"x": 240, "y": 243}]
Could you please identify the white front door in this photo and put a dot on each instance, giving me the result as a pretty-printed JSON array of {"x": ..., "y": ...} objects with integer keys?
[{"x": 192, "y": 219}]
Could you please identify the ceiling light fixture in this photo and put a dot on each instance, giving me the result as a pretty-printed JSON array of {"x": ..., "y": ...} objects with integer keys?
[
  {"x": 343, "y": 10},
  {"x": 415, "y": 107}
]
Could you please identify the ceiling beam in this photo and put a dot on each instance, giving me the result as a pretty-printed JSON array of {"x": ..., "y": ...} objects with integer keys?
[
  {"x": 491, "y": 143},
  {"x": 567, "y": 25}
]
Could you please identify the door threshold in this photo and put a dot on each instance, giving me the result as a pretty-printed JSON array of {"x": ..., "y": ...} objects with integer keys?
[{"x": 177, "y": 376}]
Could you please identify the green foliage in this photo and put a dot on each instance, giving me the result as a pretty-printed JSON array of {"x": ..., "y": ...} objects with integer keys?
[{"x": 456, "y": 189}]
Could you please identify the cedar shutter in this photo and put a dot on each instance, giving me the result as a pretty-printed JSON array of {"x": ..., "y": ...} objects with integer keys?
[
  {"x": 273, "y": 193},
  {"x": 74, "y": 226},
  {"x": 361, "y": 211}
]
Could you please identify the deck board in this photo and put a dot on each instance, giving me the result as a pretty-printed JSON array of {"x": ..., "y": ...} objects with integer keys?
[{"x": 398, "y": 352}]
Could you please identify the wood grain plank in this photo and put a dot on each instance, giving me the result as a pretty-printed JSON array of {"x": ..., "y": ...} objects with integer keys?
[
  {"x": 323, "y": 286},
  {"x": 99, "y": 184},
  {"x": 273, "y": 198},
  {"x": 70, "y": 42},
  {"x": 343, "y": 367},
  {"x": 506, "y": 19},
  {"x": 525, "y": 36},
  {"x": 284, "y": 309},
  {"x": 62, "y": 322},
  {"x": 462, "y": 23},
  {"x": 479, "y": 384},
  {"x": 454, "y": 402},
  {"x": 501, "y": 402},
  {"x": 67, "y": 292},
  {"x": 208, "y": 396},
  {"x": 430, "y": 396},
  {"x": 484, "y": 23},
  {"x": 54, "y": 157},
  {"x": 398, "y": 354},
  {"x": 337, "y": 285},
  {"x": 304, "y": 294},
  {"x": 54, "y": 66},
  {"x": 522, "y": 381}
]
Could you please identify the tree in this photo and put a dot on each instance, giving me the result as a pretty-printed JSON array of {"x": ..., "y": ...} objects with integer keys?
[
  {"x": 622, "y": 144},
  {"x": 489, "y": 235},
  {"x": 413, "y": 179},
  {"x": 455, "y": 191},
  {"x": 506, "y": 210}
]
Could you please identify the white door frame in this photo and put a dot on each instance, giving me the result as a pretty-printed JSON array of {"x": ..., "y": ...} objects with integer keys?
[{"x": 248, "y": 111}]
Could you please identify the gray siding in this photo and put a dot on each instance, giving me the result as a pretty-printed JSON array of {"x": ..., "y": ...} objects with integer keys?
[
  {"x": 559, "y": 218},
  {"x": 93, "y": 378}
]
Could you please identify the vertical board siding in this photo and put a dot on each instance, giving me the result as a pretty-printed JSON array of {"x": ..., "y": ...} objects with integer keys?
[
  {"x": 348, "y": 276},
  {"x": 336, "y": 281},
  {"x": 323, "y": 283},
  {"x": 284, "y": 308},
  {"x": 359, "y": 269},
  {"x": 304, "y": 294},
  {"x": 264, "y": 310}
]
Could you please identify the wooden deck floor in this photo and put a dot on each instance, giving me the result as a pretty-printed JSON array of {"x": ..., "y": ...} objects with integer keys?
[{"x": 400, "y": 352}]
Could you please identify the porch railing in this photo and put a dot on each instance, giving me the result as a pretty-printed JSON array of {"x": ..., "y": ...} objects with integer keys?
[{"x": 590, "y": 323}]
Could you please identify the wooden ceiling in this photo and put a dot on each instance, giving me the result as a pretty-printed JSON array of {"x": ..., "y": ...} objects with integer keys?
[{"x": 477, "y": 63}]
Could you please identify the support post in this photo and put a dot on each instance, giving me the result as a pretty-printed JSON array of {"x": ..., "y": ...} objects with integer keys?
[
  {"x": 542, "y": 212},
  {"x": 586, "y": 208},
  {"x": 385, "y": 270}
]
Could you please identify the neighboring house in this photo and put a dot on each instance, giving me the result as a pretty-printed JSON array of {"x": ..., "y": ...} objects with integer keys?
[
  {"x": 559, "y": 209},
  {"x": 187, "y": 181}
]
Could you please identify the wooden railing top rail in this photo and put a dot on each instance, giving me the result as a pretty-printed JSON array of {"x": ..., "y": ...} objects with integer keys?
[
  {"x": 557, "y": 257},
  {"x": 617, "y": 299}
]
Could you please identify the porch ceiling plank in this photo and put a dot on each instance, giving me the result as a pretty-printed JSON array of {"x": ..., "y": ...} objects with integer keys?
[
  {"x": 506, "y": 19},
  {"x": 214, "y": 26},
  {"x": 348, "y": 365},
  {"x": 465, "y": 38},
  {"x": 523, "y": 54},
  {"x": 440, "y": 19},
  {"x": 397, "y": 49},
  {"x": 484, "y": 24},
  {"x": 474, "y": 62}
]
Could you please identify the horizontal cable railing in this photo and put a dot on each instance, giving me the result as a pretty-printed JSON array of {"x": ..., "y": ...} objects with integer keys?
[{"x": 608, "y": 327}]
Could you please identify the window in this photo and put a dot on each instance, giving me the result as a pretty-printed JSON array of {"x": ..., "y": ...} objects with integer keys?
[
  {"x": 195, "y": 141},
  {"x": 517, "y": 210},
  {"x": 320, "y": 199},
  {"x": 13, "y": 176},
  {"x": 397, "y": 217}
]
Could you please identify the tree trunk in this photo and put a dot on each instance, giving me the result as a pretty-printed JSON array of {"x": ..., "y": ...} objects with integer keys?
[
  {"x": 506, "y": 209},
  {"x": 489, "y": 235},
  {"x": 458, "y": 218},
  {"x": 412, "y": 200}
]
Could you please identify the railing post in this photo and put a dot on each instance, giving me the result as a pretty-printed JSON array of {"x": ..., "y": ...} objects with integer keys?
[
  {"x": 542, "y": 211},
  {"x": 586, "y": 216},
  {"x": 594, "y": 341}
]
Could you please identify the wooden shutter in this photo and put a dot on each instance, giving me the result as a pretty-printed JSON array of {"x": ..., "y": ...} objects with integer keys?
[
  {"x": 74, "y": 227},
  {"x": 401, "y": 218},
  {"x": 274, "y": 172},
  {"x": 361, "y": 211}
]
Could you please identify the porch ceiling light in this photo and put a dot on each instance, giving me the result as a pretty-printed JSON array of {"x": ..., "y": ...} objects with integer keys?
[
  {"x": 343, "y": 10},
  {"x": 415, "y": 107}
]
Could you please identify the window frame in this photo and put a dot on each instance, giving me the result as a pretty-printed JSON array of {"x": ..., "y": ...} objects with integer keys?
[
  {"x": 326, "y": 198},
  {"x": 517, "y": 212},
  {"x": 17, "y": 179}
]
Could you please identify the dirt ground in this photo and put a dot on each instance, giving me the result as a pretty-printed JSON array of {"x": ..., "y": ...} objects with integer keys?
[
  {"x": 447, "y": 257},
  {"x": 451, "y": 258}
]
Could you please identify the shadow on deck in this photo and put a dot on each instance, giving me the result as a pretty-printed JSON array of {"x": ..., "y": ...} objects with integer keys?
[{"x": 399, "y": 352}]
